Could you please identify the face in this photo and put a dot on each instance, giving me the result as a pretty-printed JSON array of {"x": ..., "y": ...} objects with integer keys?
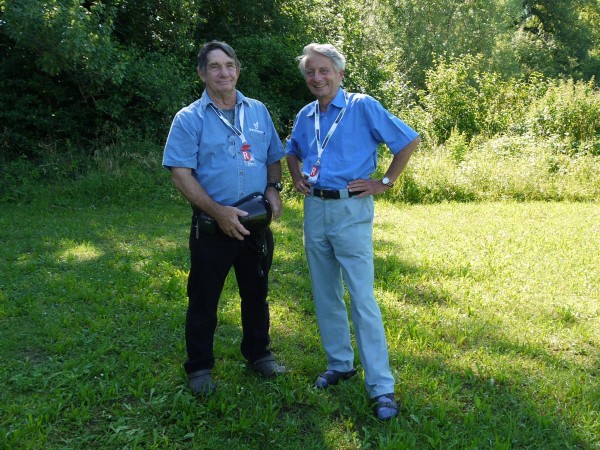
[
  {"x": 321, "y": 77},
  {"x": 221, "y": 74}
]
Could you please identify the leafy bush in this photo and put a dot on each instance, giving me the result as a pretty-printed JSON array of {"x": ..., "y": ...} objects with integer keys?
[
  {"x": 571, "y": 111},
  {"x": 463, "y": 96},
  {"x": 451, "y": 98},
  {"x": 65, "y": 75}
]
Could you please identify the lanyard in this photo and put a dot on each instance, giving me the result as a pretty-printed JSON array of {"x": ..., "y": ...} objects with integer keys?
[
  {"x": 227, "y": 123},
  {"x": 321, "y": 147}
]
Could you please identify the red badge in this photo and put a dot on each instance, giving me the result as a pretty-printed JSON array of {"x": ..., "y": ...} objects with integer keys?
[{"x": 246, "y": 152}]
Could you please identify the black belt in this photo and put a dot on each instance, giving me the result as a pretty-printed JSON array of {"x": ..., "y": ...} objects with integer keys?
[{"x": 333, "y": 194}]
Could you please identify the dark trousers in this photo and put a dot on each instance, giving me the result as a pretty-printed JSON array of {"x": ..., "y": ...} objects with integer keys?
[{"x": 212, "y": 256}]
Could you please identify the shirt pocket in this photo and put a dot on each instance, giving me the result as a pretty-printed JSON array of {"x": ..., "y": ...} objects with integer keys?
[
  {"x": 350, "y": 148},
  {"x": 258, "y": 144}
]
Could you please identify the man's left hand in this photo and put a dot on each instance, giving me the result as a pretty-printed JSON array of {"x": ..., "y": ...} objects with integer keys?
[{"x": 368, "y": 187}]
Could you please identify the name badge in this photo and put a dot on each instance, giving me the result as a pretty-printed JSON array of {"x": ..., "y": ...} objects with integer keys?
[
  {"x": 314, "y": 174},
  {"x": 246, "y": 153}
]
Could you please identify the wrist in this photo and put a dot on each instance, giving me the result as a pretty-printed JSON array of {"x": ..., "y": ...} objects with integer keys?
[
  {"x": 275, "y": 185},
  {"x": 387, "y": 182}
]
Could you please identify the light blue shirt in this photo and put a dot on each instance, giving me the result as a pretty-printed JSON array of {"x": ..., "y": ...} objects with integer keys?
[
  {"x": 352, "y": 150},
  {"x": 200, "y": 141}
]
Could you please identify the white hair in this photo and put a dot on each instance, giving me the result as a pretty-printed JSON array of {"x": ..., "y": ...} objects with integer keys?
[{"x": 328, "y": 50}]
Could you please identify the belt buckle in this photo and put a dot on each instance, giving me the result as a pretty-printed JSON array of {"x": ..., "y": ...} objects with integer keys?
[{"x": 321, "y": 194}]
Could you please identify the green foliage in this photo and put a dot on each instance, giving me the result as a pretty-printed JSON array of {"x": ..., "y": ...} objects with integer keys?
[
  {"x": 116, "y": 173},
  {"x": 77, "y": 77},
  {"x": 423, "y": 32},
  {"x": 451, "y": 98},
  {"x": 462, "y": 95},
  {"x": 571, "y": 111},
  {"x": 560, "y": 30},
  {"x": 66, "y": 76}
]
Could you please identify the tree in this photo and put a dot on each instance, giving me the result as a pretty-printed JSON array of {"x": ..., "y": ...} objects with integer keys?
[
  {"x": 560, "y": 30},
  {"x": 420, "y": 32},
  {"x": 67, "y": 74}
]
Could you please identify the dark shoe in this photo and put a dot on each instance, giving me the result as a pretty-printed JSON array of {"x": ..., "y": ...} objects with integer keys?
[
  {"x": 201, "y": 382},
  {"x": 332, "y": 377},
  {"x": 267, "y": 367},
  {"x": 386, "y": 408}
]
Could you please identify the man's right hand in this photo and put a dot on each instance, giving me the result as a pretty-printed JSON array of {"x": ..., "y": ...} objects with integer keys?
[{"x": 228, "y": 220}]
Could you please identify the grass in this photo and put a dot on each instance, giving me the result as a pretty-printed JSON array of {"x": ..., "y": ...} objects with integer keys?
[{"x": 492, "y": 312}]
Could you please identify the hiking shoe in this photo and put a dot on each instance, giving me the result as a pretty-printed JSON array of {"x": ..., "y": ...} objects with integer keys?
[
  {"x": 201, "y": 382},
  {"x": 332, "y": 377},
  {"x": 267, "y": 367},
  {"x": 386, "y": 408}
]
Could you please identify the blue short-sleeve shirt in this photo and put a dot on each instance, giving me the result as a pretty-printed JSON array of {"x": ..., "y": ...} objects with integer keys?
[
  {"x": 200, "y": 141},
  {"x": 351, "y": 153}
]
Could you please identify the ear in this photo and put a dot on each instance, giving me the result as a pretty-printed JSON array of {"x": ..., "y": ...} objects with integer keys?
[
  {"x": 200, "y": 74},
  {"x": 341, "y": 74}
]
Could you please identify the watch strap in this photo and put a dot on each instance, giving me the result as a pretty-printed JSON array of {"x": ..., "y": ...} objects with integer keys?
[
  {"x": 277, "y": 185},
  {"x": 387, "y": 182}
]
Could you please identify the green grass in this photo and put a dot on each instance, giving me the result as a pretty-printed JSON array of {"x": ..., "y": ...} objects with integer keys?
[{"x": 492, "y": 312}]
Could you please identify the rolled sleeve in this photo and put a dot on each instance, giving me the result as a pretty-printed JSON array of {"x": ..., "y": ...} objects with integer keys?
[{"x": 181, "y": 149}]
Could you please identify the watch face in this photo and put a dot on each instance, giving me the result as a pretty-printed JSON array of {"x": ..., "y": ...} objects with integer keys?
[
  {"x": 276, "y": 185},
  {"x": 385, "y": 180}
]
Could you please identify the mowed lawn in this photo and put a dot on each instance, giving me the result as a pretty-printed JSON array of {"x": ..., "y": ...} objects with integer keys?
[{"x": 492, "y": 312}]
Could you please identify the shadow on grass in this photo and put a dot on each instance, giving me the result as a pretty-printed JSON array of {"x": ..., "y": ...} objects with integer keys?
[{"x": 92, "y": 311}]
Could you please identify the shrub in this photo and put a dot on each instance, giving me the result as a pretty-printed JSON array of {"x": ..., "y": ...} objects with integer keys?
[
  {"x": 463, "y": 97},
  {"x": 65, "y": 73},
  {"x": 571, "y": 111},
  {"x": 451, "y": 99}
]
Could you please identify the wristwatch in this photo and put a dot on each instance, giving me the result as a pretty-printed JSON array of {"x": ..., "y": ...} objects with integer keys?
[
  {"x": 277, "y": 185},
  {"x": 386, "y": 181}
]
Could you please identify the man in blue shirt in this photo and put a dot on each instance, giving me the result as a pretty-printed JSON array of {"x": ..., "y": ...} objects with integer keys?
[
  {"x": 220, "y": 149},
  {"x": 331, "y": 154}
]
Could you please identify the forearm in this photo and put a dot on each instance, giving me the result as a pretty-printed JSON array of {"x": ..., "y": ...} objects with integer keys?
[
  {"x": 295, "y": 168},
  {"x": 188, "y": 186},
  {"x": 400, "y": 160},
  {"x": 272, "y": 194},
  {"x": 274, "y": 172}
]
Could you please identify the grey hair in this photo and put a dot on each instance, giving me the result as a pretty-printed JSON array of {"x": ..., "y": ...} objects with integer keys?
[
  {"x": 215, "y": 45},
  {"x": 339, "y": 62}
]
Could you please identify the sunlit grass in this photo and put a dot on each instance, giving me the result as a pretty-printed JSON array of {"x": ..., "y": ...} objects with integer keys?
[{"x": 492, "y": 313}]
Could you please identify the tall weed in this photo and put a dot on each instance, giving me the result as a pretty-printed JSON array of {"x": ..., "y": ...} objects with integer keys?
[
  {"x": 569, "y": 110},
  {"x": 509, "y": 167}
]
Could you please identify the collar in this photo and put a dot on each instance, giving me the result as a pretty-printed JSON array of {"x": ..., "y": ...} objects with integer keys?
[
  {"x": 338, "y": 101},
  {"x": 205, "y": 100}
]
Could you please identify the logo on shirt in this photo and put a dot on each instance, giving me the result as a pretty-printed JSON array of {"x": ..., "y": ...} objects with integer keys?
[{"x": 255, "y": 128}]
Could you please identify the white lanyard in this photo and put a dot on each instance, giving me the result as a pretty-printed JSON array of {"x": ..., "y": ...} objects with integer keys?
[
  {"x": 314, "y": 173},
  {"x": 321, "y": 147},
  {"x": 226, "y": 122}
]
